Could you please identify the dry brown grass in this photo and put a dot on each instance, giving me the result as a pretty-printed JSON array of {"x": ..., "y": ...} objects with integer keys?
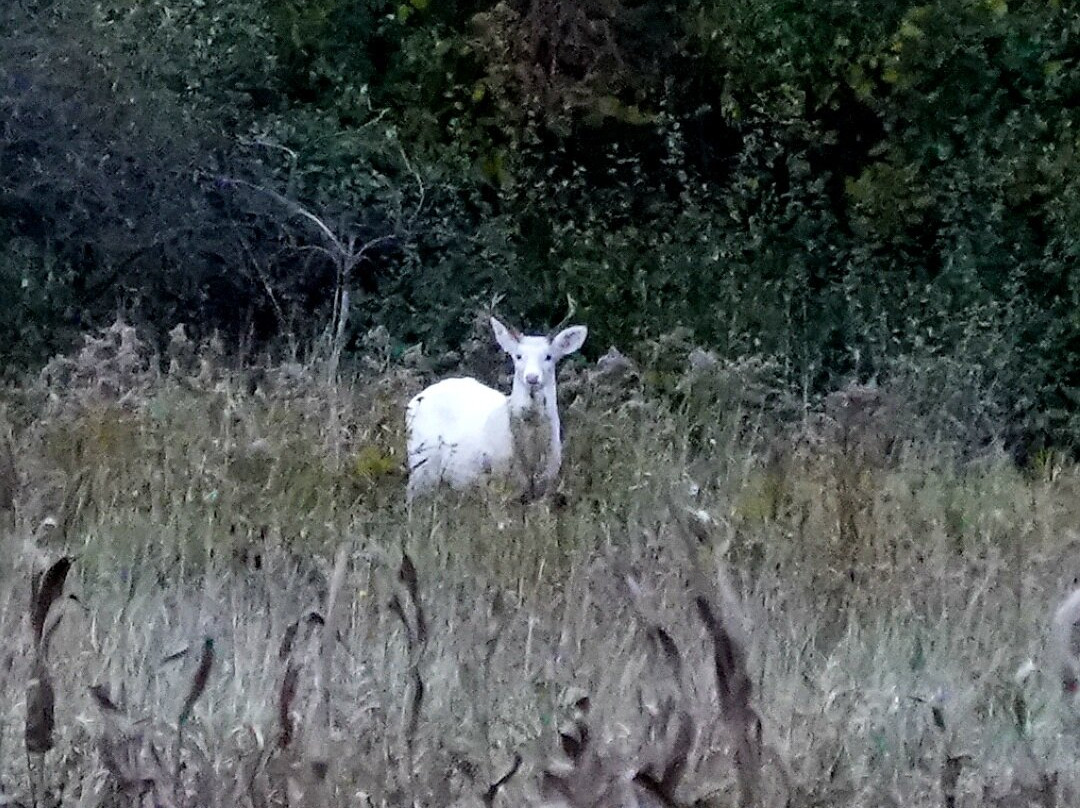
[{"x": 214, "y": 596}]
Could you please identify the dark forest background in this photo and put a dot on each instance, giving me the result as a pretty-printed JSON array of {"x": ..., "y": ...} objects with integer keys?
[{"x": 860, "y": 190}]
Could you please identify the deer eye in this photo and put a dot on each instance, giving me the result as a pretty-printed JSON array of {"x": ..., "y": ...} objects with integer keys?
[
  {"x": 517, "y": 357},
  {"x": 547, "y": 358}
]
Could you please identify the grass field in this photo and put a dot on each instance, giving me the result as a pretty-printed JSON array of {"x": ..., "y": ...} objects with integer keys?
[{"x": 252, "y": 618}]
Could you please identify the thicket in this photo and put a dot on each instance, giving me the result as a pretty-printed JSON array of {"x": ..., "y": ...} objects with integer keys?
[{"x": 854, "y": 190}]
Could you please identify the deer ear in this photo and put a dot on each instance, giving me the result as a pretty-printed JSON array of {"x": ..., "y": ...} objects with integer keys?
[
  {"x": 569, "y": 340},
  {"x": 507, "y": 338}
]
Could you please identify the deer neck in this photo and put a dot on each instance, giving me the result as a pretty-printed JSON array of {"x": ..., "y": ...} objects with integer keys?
[{"x": 539, "y": 409}]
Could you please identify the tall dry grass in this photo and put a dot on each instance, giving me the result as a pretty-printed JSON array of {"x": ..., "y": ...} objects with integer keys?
[{"x": 212, "y": 594}]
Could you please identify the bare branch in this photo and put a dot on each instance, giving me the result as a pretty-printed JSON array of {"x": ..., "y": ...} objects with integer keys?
[{"x": 298, "y": 210}]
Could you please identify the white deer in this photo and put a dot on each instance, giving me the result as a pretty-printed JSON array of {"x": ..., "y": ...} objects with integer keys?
[{"x": 461, "y": 432}]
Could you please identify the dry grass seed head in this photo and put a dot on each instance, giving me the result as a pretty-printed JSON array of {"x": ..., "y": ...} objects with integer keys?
[
  {"x": 733, "y": 682},
  {"x": 286, "y": 695},
  {"x": 9, "y": 477},
  {"x": 1064, "y": 642},
  {"x": 45, "y": 589},
  {"x": 40, "y": 710},
  {"x": 199, "y": 680}
]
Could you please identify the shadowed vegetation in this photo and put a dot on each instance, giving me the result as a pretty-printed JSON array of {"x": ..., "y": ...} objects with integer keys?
[{"x": 848, "y": 188}]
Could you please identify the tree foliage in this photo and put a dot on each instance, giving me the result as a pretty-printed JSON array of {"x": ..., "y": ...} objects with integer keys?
[{"x": 838, "y": 185}]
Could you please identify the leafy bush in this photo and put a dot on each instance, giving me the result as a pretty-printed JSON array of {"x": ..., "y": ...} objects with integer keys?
[{"x": 843, "y": 187}]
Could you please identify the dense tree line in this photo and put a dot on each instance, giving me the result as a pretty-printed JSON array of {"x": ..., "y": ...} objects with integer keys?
[{"x": 849, "y": 186}]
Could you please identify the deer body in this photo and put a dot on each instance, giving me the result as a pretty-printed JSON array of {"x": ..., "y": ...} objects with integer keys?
[{"x": 461, "y": 432}]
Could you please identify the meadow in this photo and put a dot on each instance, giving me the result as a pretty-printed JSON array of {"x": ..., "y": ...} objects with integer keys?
[{"x": 212, "y": 594}]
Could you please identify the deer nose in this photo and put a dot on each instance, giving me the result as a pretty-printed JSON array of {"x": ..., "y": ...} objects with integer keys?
[{"x": 532, "y": 378}]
